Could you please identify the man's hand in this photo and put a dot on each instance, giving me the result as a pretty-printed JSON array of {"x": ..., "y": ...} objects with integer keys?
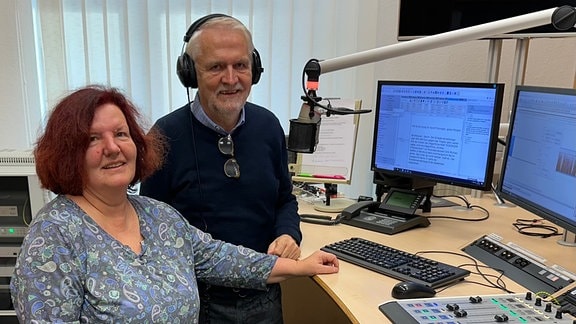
[{"x": 285, "y": 246}]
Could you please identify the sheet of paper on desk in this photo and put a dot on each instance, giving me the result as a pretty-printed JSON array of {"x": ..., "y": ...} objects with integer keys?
[{"x": 336, "y": 143}]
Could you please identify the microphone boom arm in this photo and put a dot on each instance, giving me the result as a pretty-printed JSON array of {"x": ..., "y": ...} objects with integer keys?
[{"x": 562, "y": 18}]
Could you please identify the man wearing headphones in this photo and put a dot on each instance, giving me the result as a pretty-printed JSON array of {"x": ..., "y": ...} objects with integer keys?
[{"x": 226, "y": 169}]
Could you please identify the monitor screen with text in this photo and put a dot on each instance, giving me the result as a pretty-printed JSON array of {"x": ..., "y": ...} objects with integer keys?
[{"x": 445, "y": 132}]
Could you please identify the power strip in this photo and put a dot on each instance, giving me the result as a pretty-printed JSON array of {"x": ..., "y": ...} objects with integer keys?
[{"x": 519, "y": 264}]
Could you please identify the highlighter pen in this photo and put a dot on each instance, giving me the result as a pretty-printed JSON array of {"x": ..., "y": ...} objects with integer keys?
[
  {"x": 306, "y": 175},
  {"x": 329, "y": 176}
]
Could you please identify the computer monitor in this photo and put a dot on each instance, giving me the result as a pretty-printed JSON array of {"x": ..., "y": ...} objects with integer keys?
[
  {"x": 539, "y": 167},
  {"x": 436, "y": 132}
]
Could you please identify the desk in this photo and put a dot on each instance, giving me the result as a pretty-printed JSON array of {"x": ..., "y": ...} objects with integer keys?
[{"x": 353, "y": 295}]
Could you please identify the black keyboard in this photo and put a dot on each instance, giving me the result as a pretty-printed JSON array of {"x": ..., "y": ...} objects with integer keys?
[{"x": 395, "y": 263}]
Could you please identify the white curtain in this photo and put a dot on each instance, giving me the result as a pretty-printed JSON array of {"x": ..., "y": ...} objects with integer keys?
[{"x": 133, "y": 45}]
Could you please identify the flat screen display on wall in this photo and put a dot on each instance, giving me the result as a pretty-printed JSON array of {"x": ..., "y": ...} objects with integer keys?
[{"x": 419, "y": 18}]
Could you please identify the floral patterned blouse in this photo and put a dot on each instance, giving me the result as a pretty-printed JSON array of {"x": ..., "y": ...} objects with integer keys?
[{"x": 70, "y": 270}]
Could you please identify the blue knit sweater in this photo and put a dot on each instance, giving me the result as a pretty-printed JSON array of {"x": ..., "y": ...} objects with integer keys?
[{"x": 251, "y": 210}]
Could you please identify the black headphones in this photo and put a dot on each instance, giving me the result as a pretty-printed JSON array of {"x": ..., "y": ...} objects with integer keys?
[{"x": 185, "y": 65}]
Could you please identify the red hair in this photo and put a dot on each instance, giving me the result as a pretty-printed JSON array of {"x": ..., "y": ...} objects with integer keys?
[{"x": 60, "y": 152}]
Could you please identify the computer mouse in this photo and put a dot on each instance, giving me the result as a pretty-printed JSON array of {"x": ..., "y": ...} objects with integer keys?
[{"x": 411, "y": 289}]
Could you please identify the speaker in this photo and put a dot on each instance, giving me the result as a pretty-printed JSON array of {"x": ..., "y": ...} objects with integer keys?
[{"x": 185, "y": 65}]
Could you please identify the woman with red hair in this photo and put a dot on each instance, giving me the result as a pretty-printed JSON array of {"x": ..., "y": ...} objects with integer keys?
[{"x": 97, "y": 254}]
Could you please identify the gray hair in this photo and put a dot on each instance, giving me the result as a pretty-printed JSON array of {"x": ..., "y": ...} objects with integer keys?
[{"x": 193, "y": 47}]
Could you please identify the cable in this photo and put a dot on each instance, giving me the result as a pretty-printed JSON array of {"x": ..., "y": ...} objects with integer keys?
[
  {"x": 196, "y": 158},
  {"x": 468, "y": 206},
  {"x": 453, "y": 196},
  {"x": 27, "y": 206},
  {"x": 534, "y": 227},
  {"x": 307, "y": 188},
  {"x": 499, "y": 283}
]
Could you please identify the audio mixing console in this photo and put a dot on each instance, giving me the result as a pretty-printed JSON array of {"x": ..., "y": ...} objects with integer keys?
[{"x": 506, "y": 308}]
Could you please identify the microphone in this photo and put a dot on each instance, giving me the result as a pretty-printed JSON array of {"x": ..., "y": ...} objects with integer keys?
[{"x": 304, "y": 130}]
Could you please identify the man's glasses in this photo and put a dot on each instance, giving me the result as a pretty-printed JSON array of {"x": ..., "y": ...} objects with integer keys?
[{"x": 226, "y": 147}]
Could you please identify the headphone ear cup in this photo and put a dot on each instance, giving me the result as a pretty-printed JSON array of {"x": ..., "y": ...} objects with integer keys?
[
  {"x": 185, "y": 65},
  {"x": 257, "y": 68},
  {"x": 186, "y": 71}
]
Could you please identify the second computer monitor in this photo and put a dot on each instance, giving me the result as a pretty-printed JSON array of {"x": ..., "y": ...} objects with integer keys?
[
  {"x": 444, "y": 132},
  {"x": 539, "y": 168}
]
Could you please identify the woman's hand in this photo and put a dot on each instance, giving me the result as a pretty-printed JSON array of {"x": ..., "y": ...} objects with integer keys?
[{"x": 319, "y": 262}]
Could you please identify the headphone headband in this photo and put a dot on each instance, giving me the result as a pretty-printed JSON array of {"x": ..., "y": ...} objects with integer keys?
[{"x": 195, "y": 25}]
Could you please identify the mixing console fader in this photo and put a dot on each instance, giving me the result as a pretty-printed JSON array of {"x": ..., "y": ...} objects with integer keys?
[
  {"x": 520, "y": 265},
  {"x": 507, "y": 308}
]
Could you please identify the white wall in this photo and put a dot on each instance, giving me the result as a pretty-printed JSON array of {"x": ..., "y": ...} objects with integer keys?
[{"x": 550, "y": 63}]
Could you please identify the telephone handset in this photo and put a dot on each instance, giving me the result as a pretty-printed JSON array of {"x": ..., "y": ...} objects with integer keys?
[
  {"x": 355, "y": 209},
  {"x": 397, "y": 201}
]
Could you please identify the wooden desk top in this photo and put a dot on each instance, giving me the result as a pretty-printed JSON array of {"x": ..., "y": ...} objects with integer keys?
[{"x": 359, "y": 291}]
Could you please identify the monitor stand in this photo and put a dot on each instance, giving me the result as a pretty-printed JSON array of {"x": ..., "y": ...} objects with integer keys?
[
  {"x": 331, "y": 204},
  {"x": 337, "y": 205},
  {"x": 499, "y": 200},
  {"x": 568, "y": 239},
  {"x": 384, "y": 182}
]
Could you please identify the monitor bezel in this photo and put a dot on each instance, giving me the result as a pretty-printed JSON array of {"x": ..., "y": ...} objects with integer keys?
[
  {"x": 491, "y": 156},
  {"x": 536, "y": 209}
]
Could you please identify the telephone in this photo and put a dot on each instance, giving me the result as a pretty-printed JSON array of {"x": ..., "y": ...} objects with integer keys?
[{"x": 396, "y": 213}]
